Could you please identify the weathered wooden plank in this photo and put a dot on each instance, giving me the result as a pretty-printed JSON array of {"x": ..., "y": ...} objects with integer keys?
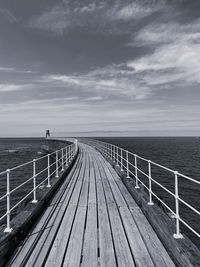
[
  {"x": 90, "y": 245},
  {"x": 92, "y": 185},
  {"x": 74, "y": 248},
  {"x": 123, "y": 252},
  {"x": 156, "y": 249},
  {"x": 57, "y": 252},
  {"x": 106, "y": 247},
  {"x": 60, "y": 243},
  {"x": 138, "y": 247},
  {"x": 76, "y": 194},
  {"x": 58, "y": 246},
  {"x": 116, "y": 192},
  {"x": 85, "y": 185}
]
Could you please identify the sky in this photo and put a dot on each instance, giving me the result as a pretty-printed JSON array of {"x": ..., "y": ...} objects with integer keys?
[{"x": 100, "y": 68}]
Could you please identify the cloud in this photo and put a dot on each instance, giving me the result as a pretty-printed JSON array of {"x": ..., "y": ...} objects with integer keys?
[
  {"x": 95, "y": 16},
  {"x": 11, "y": 87},
  {"x": 8, "y": 15},
  {"x": 176, "y": 56},
  {"x": 135, "y": 10},
  {"x": 8, "y": 69},
  {"x": 103, "y": 82},
  {"x": 94, "y": 98}
]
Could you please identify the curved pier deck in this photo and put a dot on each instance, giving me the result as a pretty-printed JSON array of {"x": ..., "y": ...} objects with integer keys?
[{"x": 93, "y": 221}]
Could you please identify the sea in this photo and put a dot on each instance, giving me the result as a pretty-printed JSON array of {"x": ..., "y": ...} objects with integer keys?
[{"x": 177, "y": 153}]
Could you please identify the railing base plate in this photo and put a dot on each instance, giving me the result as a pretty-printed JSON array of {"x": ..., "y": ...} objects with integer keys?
[
  {"x": 34, "y": 201},
  {"x": 178, "y": 236},
  {"x": 8, "y": 230}
]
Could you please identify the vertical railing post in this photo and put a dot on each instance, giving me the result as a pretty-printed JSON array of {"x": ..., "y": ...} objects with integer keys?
[
  {"x": 177, "y": 234},
  {"x": 117, "y": 155},
  {"x": 136, "y": 173},
  {"x": 69, "y": 153},
  {"x": 150, "y": 187},
  {"x": 113, "y": 153},
  {"x": 121, "y": 160},
  {"x": 57, "y": 164},
  {"x": 48, "y": 171},
  {"x": 112, "y": 157},
  {"x": 127, "y": 165},
  {"x": 66, "y": 155},
  {"x": 8, "y": 229},
  {"x": 62, "y": 160},
  {"x": 34, "y": 182}
]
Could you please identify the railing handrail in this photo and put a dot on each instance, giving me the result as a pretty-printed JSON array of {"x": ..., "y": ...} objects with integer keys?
[
  {"x": 116, "y": 154},
  {"x": 67, "y": 154}
]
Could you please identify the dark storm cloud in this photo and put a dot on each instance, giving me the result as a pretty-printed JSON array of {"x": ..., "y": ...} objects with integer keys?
[{"x": 122, "y": 66}]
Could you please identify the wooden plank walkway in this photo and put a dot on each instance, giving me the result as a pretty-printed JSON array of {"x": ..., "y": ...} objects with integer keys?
[{"x": 93, "y": 221}]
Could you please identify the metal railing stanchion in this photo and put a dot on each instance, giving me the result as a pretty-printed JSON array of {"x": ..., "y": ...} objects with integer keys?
[
  {"x": 150, "y": 186},
  {"x": 177, "y": 235},
  {"x": 117, "y": 155},
  {"x": 48, "y": 171},
  {"x": 34, "y": 182},
  {"x": 71, "y": 152},
  {"x": 121, "y": 160},
  {"x": 136, "y": 173},
  {"x": 8, "y": 229},
  {"x": 113, "y": 153},
  {"x": 62, "y": 160},
  {"x": 66, "y": 155},
  {"x": 127, "y": 165},
  {"x": 57, "y": 164}
]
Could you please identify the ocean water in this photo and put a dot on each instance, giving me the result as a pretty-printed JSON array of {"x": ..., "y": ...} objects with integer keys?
[
  {"x": 14, "y": 152},
  {"x": 178, "y": 153}
]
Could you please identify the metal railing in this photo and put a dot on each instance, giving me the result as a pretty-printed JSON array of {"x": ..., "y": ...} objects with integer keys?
[
  {"x": 56, "y": 161},
  {"x": 122, "y": 159}
]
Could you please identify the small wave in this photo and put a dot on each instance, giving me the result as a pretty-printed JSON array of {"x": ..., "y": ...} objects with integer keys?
[
  {"x": 3, "y": 152},
  {"x": 41, "y": 153},
  {"x": 12, "y": 151}
]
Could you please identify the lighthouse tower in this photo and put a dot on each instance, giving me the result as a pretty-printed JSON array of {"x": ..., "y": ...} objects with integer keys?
[{"x": 47, "y": 134}]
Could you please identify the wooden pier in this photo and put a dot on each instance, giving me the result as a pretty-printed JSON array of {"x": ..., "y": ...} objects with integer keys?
[{"x": 92, "y": 221}]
